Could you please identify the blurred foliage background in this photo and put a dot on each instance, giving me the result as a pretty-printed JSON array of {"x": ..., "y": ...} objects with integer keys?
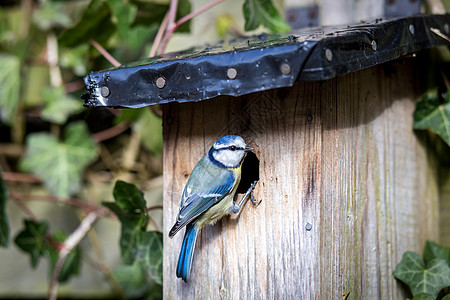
[{"x": 62, "y": 164}]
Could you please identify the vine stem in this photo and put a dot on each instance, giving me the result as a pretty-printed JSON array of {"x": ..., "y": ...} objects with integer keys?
[
  {"x": 110, "y": 132},
  {"x": 171, "y": 26},
  {"x": 72, "y": 241},
  {"x": 159, "y": 35},
  {"x": 50, "y": 198},
  {"x": 105, "y": 53}
]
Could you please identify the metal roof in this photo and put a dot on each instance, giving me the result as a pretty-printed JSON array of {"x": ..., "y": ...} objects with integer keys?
[{"x": 263, "y": 62}]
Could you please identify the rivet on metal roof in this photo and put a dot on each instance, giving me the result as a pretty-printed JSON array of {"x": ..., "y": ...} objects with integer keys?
[
  {"x": 285, "y": 69},
  {"x": 232, "y": 73},
  {"x": 374, "y": 45},
  {"x": 328, "y": 55},
  {"x": 104, "y": 91},
  {"x": 160, "y": 82}
]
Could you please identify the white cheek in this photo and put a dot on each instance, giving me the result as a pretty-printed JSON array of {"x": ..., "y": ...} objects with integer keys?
[{"x": 229, "y": 158}]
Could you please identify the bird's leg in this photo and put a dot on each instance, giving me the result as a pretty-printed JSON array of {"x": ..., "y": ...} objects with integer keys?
[{"x": 237, "y": 207}]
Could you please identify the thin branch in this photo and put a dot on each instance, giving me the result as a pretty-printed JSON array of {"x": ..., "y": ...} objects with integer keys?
[
  {"x": 50, "y": 198},
  {"x": 105, "y": 53},
  {"x": 21, "y": 177},
  {"x": 110, "y": 132},
  {"x": 197, "y": 12},
  {"x": 72, "y": 241},
  {"x": 159, "y": 35},
  {"x": 172, "y": 12},
  {"x": 154, "y": 207},
  {"x": 52, "y": 58},
  {"x": 439, "y": 33},
  {"x": 74, "y": 86},
  {"x": 173, "y": 26},
  {"x": 24, "y": 208}
]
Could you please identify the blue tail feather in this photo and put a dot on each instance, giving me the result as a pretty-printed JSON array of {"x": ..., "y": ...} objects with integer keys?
[{"x": 187, "y": 252}]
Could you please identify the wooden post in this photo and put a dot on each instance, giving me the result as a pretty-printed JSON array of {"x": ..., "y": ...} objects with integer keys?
[{"x": 346, "y": 188}]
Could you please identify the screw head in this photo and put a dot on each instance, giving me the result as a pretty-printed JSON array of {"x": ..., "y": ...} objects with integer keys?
[
  {"x": 160, "y": 82},
  {"x": 104, "y": 91},
  {"x": 374, "y": 45},
  {"x": 411, "y": 28},
  {"x": 285, "y": 69},
  {"x": 308, "y": 226},
  {"x": 232, "y": 73},
  {"x": 328, "y": 55}
]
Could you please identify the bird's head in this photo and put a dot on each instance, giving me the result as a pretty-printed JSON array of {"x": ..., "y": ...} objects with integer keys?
[{"x": 229, "y": 151}]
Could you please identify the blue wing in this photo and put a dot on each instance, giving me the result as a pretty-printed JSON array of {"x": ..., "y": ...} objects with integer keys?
[{"x": 207, "y": 185}]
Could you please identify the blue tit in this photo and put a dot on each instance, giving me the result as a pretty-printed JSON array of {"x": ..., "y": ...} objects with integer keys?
[{"x": 209, "y": 194}]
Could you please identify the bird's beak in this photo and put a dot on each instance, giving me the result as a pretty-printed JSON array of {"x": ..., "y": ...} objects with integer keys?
[{"x": 248, "y": 149}]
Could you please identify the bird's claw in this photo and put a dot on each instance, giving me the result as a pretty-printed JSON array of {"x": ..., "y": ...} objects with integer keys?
[{"x": 252, "y": 197}]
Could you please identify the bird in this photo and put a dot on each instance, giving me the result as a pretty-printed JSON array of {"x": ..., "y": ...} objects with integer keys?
[{"x": 209, "y": 194}]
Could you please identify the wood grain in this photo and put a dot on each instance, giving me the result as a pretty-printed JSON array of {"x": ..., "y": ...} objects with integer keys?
[{"x": 339, "y": 155}]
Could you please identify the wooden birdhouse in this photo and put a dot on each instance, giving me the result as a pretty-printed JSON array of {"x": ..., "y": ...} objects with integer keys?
[{"x": 346, "y": 185}]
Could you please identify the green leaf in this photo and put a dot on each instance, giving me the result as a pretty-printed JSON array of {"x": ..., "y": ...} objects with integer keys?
[
  {"x": 433, "y": 114},
  {"x": 150, "y": 254},
  {"x": 95, "y": 24},
  {"x": 59, "y": 105},
  {"x": 433, "y": 250},
  {"x": 4, "y": 221},
  {"x": 132, "y": 280},
  {"x": 423, "y": 296},
  {"x": 263, "y": 12},
  {"x": 136, "y": 244},
  {"x": 128, "y": 196},
  {"x": 72, "y": 264},
  {"x": 152, "y": 12},
  {"x": 60, "y": 164},
  {"x": 32, "y": 240},
  {"x": 9, "y": 86},
  {"x": 50, "y": 15},
  {"x": 428, "y": 279},
  {"x": 129, "y": 206}
]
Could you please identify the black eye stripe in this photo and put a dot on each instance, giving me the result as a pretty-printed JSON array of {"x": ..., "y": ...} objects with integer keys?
[{"x": 232, "y": 148}]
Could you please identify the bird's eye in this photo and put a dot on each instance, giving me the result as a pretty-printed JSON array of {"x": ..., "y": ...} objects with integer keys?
[{"x": 233, "y": 148}]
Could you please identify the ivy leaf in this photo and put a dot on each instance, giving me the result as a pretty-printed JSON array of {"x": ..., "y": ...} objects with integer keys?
[
  {"x": 136, "y": 244},
  {"x": 9, "y": 86},
  {"x": 150, "y": 254},
  {"x": 129, "y": 206},
  {"x": 132, "y": 280},
  {"x": 49, "y": 15},
  {"x": 4, "y": 221},
  {"x": 423, "y": 296},
  {"x": 60, "y": 164},
  {"x": 32, "y": 240},
  {"x": 432, "y": 113},
  {"x": 95, "y": 24},
  {"x": 72, "y": 264},
  {"x": 428, "y": 279},
  {"x": 128, "y": 196},
  {"x": 59, "y": 105},
  {"x": 433, "y": 250},
  {"x": 263, "y": 12}
]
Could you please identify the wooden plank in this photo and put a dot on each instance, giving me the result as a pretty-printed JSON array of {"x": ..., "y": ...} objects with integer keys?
[
  {"x": 444, "y": 206},
  {"x": 339, "y": 155}
]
